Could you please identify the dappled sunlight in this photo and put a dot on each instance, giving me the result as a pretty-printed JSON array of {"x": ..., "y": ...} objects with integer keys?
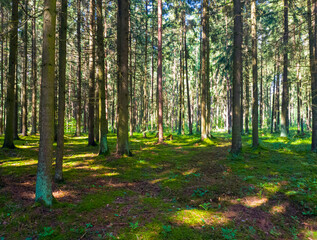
[
  {"x": 83, "y": 155},
  {"x": 254, "y": 201},
  {"x": 279, "y": 209},
  {"x": 198, "y": 218}
]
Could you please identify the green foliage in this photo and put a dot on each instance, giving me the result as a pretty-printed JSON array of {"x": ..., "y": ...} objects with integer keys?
[{"x": 229, "y": 234}]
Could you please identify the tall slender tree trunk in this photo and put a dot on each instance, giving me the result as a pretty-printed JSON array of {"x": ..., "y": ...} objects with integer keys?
[
  {"x": 24, "y": 96},
  {"x": 91, "y": 91},
  {"x": 123, "y": 78},
  {"x": 237, "y": 71},
  {"x": 261, "y": 93},
  {"x": 10, "y": 100},
  {"x": 61, "y": 95},
  {"x": 2, "y": 74},
  {"x": 145, "y": 96},
  {"x": 160, "y": 74},
  {"x": 130, "y": 77},
  {"x": 255, "y": 114},
  {"x": 285, "y": 95},
  {"x": 78, "y": 112},
  {"x": 43, "y": 192},
  {"x": 208, "y": 95},
  {"x": 103, "y": 143},
  {"x": 247, "y": 82},
  {"x": 190, "y": 124},
  {"x": 313, "y": 70},
  {"x": 204, "y": 76},
  {"x": 34, "y": 73}
]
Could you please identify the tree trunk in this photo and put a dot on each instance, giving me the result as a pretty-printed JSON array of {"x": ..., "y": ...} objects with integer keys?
[
  {"x": 34, "y": 74},
  {"x": 91, "y": 93},
  {"x": 61, "y": 95},
  {"x": 43, "y": 192},
  {"x": 204, "y": 76},
  {"x": 190, "y": 125},
  {"x": 313, "y": 70},
  {"x": 78, "y": 112},
  {"x": 160, "y": 74},
  {"x": 237, "y": 70},
  {"x": 285, "y": 95},
  {"x": 103, "y": 143},
  {"x": 10, "y": 100},
  {"x": 2, "y": 74},
  {"x": 123, "y": 78},
  {"x": 255, "y": 114},
  {"x": 247, "y": 82},
  {"x": 24, "y": 96}
]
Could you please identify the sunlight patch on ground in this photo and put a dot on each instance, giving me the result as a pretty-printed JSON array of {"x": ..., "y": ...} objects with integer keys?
[
  {"x": 85, "y": 155},
  {"x": 59, "y": 194},
  {"x": 254, "y": 201},
  {"x": 279, "y": 209},
  {"x": 191, "y": 171},
  {"x": 198, "y": 218},
  {"x": 12, "y": 162}
]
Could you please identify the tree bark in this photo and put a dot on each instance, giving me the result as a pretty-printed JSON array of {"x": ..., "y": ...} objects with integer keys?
[
  {"x": 123, "y": 78},
  {"x": 237, "y": 70},
  {"x": 91, "y": 91},
  {"x": 255, "y": 114},
  {"x": 43, "y": 192},
  {"x": 61, "y": 95},
  {"x": 103, "y": 143},
  {"x": 10, "y": 99},
  {"x": 78, "y": 112},
  {"x": 160, "y": 74},
  {"x": 24, "y": 96},
  {"x": 34, "y": 74},
  {"x": 285, "y": 95},
  {"x": 204, "y": 76}
]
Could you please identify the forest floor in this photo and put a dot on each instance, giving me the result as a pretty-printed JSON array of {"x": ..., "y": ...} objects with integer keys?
[{"x": 184, "y": 189}]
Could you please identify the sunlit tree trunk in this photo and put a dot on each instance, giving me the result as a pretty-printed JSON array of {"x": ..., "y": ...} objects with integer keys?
[{"x": 43, "y": 193}]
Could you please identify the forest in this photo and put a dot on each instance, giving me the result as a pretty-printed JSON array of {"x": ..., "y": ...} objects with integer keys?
[{"x": 144, "y": 119}]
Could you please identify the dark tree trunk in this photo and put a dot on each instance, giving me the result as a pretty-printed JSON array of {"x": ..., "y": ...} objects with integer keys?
[
  {"x": 285, "y": 95},
  {"x": 160, "y": 74},
  {"x": 103, "y": 143},
  {"x": 78, "y": 112},
  {"x": 2, "y": 74},
  {"x": 204, "y": 76},
  {"x": 255, "y": 114},
  {"x": 24, "y": 96},
  {"x": 123, "y": 78},
  {"x": 237, "y": 70},
  {"x": 34, "y": 74},
  {"x": 10, "y": 100},
  {"x": 61, "y": 95}
]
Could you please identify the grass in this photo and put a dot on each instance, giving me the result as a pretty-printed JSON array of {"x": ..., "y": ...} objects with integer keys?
[{"x": 184, "y": 189}]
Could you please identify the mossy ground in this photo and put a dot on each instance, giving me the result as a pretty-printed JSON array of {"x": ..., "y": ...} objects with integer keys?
[{"x": 184, "y": 189}]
